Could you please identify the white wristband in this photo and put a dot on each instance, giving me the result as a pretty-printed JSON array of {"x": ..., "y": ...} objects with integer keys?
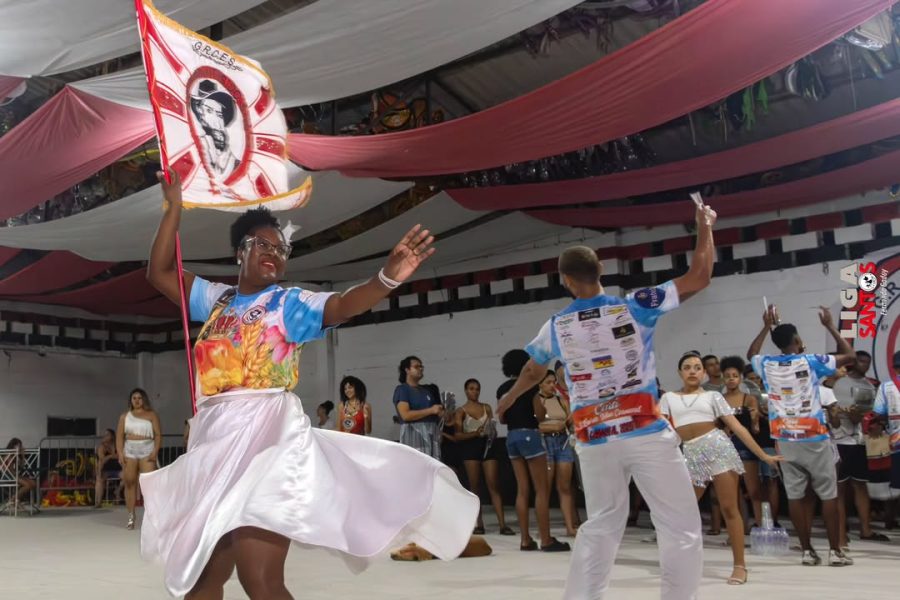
[{"x": 387, "y": 281}]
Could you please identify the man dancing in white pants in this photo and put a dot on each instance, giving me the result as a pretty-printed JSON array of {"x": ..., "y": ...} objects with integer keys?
[{"x": 606, "y": 344}]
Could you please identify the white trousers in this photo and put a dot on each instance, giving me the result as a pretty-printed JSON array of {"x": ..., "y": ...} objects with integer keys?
[{"x": 657, "y": 466}]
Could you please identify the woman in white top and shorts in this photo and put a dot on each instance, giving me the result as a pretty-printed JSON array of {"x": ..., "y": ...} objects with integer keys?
[
  {"x": 554, "y": 429},
  {"x": 708, "y": 451},
  {"x": 476, "y": 437},
  {"x": 138, "y": 439}
]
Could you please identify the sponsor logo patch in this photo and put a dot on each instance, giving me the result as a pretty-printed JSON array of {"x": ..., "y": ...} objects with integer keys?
[{"x": 623, "y": 331}]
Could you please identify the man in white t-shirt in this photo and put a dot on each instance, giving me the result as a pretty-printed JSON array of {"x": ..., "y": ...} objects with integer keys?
[
  {"x": 799, "y": 424},
  {"x": 855, "y": 397},
  {"x": 606, "y": 344}
]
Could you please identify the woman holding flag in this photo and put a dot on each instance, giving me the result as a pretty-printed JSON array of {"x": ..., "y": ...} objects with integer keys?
[{"x": 257, "y": 475}]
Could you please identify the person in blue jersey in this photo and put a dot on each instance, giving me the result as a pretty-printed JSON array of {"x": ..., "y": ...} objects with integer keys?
[
  {"x": 257, "y": 474},
  {"x": 798, "y": 420},
  {"x": 606, "y": 343}
]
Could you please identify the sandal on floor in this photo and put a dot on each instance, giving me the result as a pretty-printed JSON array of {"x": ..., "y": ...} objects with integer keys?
[
  {"x": 735, "y": 580},
  {"x": 507, "y": 530},
  {"x": 875, "y": 537},
  {"x": 714, "y": 532},
  {"x": 478, "y": 531},
  {"x": 529, "y": 547}
]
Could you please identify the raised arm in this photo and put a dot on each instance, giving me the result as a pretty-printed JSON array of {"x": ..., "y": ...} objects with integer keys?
[
  {"x": 760, "y": 339},
  {"x": 700, "y": 272},
  {"x": 846, "y": 355},
  {"x": 162, "y": 272},
  {"x": 403, "y": 261}
]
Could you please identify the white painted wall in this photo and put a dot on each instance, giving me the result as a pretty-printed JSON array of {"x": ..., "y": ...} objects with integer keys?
[
  {"x": 64, "y": 385},
  {"x": 722, "y": 319},
  {"x": 33, "y": 387}
]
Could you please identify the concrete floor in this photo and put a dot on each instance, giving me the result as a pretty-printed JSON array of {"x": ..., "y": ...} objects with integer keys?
[{"x": 85, "y": 554}]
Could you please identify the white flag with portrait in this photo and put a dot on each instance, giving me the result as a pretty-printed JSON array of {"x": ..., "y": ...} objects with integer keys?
[{"x": 218, "y": 125}]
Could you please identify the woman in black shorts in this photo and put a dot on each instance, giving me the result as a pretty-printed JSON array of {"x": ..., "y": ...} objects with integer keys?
[
  {"x": 746, "y": 411},
  {"x": 475, "y": 435}
]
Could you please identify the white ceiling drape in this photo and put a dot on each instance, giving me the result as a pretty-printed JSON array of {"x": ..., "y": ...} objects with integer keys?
[
  {"x": 124, "y": 229},
  {"x": 43, "y": 37},
  {"x": 337, "y": 48}
]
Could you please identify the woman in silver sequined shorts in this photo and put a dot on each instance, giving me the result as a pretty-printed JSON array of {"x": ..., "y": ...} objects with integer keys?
[
  {"x": 708, "y": 452},
  {"x": 709, "y": 455}
]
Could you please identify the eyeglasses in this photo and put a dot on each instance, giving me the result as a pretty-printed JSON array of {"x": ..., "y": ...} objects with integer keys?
[{"x": 282, "y": 251}]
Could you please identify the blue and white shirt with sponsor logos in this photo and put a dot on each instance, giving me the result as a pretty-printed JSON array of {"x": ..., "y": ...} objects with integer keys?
[
  {"x": 606, "y": 343},
  {"x": 792, "y": 381}
]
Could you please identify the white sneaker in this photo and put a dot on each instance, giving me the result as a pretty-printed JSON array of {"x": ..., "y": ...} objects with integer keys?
[
  {"x": 810, "y": 558},
  {"x": 836, "y": 558}
]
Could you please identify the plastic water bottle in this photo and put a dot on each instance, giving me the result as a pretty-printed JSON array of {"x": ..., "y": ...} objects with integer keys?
[
  {"x": 782, "y": 542},
  {"x": 759, "y": 542},
  {"x": 768, "y": 540}
]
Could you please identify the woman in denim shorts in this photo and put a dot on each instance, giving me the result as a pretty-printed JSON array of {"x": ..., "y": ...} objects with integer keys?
[
  {"x": 560, "y": 455},
  {"x": 527, "y": 455}
]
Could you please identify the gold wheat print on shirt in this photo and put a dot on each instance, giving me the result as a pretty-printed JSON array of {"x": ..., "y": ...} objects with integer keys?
[{"x": 257, "y": 363}]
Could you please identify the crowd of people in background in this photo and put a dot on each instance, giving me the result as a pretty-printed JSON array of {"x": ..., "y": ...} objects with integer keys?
[{"x": 721, "y": 414}]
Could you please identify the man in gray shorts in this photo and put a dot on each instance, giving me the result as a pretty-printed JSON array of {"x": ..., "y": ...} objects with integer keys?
[{"x": 797, "y": 419}]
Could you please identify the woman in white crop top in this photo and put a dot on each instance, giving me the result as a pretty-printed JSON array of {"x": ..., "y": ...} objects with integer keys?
[
  {"x": 709, "y": 453},
  {"x": 138, "y": 440}
]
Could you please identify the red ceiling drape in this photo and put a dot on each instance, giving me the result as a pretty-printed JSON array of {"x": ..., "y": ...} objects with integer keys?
[
  {"x": 8, "y": 84},
  {"x": 716, "y": 49},
  {"x": 65, "y": 141},
  {"x": 869, "y": 175},
  {"x": 855, "y": 129},
  {"x": 54, "y": 271}
]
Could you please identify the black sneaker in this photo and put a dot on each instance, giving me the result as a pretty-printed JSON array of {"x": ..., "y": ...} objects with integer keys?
[{"x": 556, "y": 546}]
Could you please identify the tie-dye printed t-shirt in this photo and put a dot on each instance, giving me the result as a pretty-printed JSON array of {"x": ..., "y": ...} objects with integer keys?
[
  {"x": 606, "y": 344},
  {"x": 253, "y": 341}
]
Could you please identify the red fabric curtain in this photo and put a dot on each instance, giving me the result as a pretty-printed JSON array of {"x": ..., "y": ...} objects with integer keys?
[
  {"x": 127, "y": 289},
  {"x": 65, "y": 141},
  {"x": 714, "y": 50},
  {"x": 53, "y": 271},
  {"x": 8, "y": 84},
  {"x": 855, "y": 129},
  {"x": 869, "y": 175},
  {"x": 6, "y": 254}
]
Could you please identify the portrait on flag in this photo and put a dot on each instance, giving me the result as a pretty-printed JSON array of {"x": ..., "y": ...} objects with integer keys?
[{"x": 218, "y": 124}]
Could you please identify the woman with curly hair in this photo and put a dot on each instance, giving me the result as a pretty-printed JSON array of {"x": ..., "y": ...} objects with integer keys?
[
  {"x": 354, "y": 413},
  {"x": 257, "y": 475}
]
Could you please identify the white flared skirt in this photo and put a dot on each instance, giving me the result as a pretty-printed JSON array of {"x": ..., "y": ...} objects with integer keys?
[{"x": 254, "y": 460}]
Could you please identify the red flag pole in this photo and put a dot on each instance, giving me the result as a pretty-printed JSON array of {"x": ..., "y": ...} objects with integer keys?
[{"x": 164, "y": 160}]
